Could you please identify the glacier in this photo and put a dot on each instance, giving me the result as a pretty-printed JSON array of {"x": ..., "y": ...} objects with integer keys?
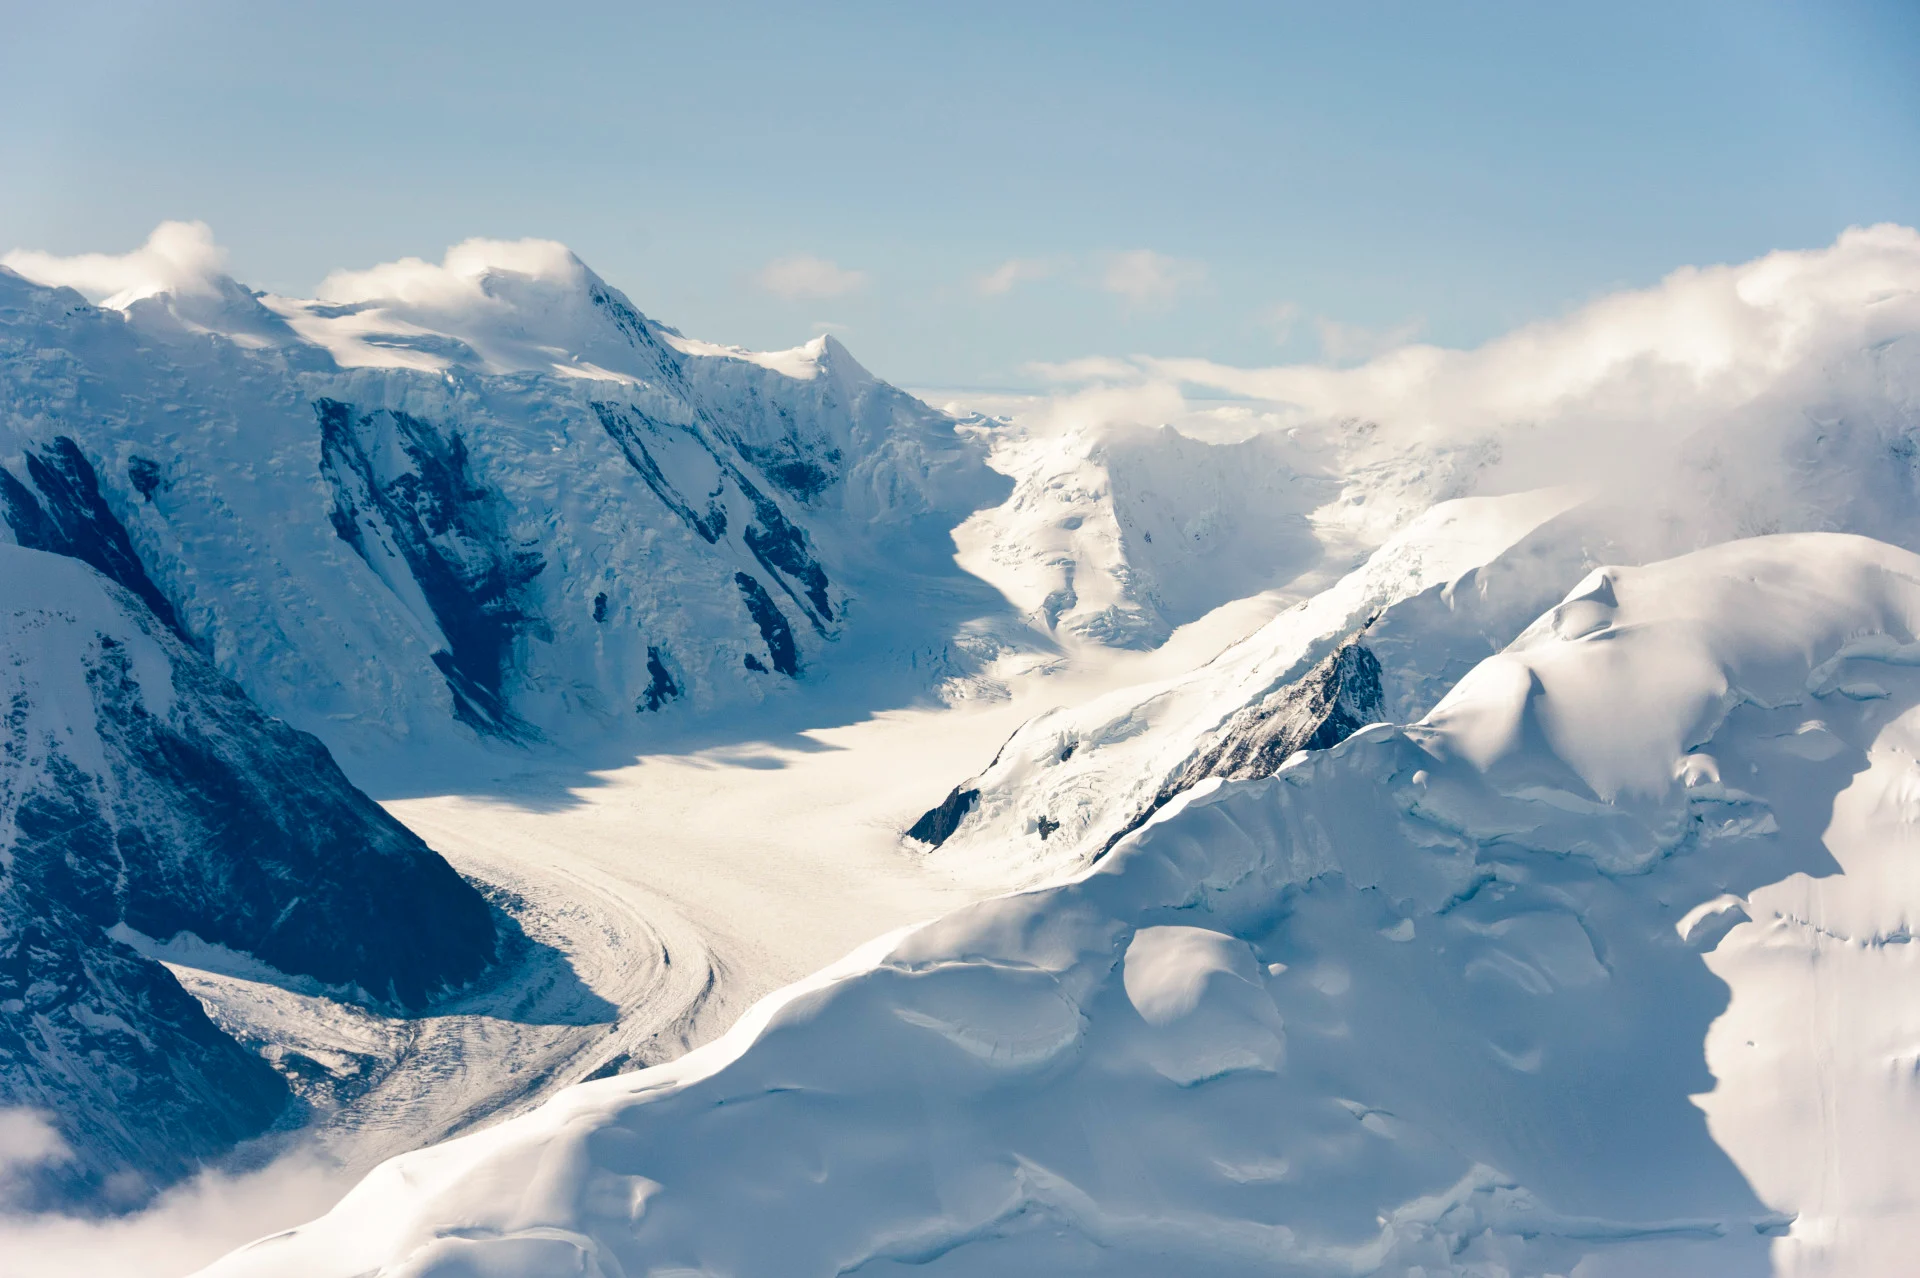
[
  {"x": 1432, "y": 1000},
  {"x": 1442, "y": 816}
]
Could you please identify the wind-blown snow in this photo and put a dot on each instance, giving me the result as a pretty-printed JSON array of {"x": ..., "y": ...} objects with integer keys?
[{"x": 1430, "y": 1001}]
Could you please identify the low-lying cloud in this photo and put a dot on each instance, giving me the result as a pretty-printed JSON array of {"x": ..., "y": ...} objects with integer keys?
[
  {"x": 28, "y": 1140},
  {"x": 1769, "y": 393},
  {"x": 186, "y": 1228},
  {"x": 1704, "y": 338},
  {"x": 1343, "y": 343}
]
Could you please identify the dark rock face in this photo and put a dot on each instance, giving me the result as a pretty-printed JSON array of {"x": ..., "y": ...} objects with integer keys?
[
  {"x": 799, "y": 478},
  {"x": 447, "y": 531},
  {"x": 1333, "y": 701},
  {"x": 773, "y": 625},
  {"x": 235, "y": 827},
  {"x": 631, "y": 430},
  {"x": 126, "y": 1063},
  {"x": 142, "y": 1086},
  {"x": 661, "y": 687},
  {"x": 144, "y": 474},
  {"x": 1324, "y": 707},
  {"x": 778, "y": 545},
  {"x": 781, "y": 547},
  {"x": 140, "y": 789},
  {"x": 71, "y": 518},
  {"x": 937, "y": 825}
]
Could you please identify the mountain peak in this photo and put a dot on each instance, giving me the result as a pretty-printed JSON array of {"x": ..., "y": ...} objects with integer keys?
[{"x": 179, "y": 258}]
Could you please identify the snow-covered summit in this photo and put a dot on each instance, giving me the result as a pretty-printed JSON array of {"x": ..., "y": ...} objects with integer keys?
[
  {"x": 485, "y": 496},
  {"x": 490, "y": 306}
]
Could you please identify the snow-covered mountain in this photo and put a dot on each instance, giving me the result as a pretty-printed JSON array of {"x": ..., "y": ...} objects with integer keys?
[
  {"x": 488, "y": 493},
  {"x": 1781, "y": 395},
  {"x": 1071, "y": 781},
  {"x": 1375, "y": 896},
  {"x": 1429, "y": 1001},
  {"x": 144, "y": 801}
]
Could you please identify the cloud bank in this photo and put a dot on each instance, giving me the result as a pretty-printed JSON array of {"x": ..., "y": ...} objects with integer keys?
[
  {"x": 1343, "y": 343},
  {"x": 1630, "y": 369},
  {"x": 27, "y": 1140}
]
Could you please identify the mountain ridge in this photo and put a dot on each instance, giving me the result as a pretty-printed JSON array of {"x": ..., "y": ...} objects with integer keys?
[{"x": 143, "y": 796}]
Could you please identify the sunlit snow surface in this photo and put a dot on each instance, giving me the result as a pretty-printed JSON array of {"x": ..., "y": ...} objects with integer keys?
[
  {"x": 452, "y": 511},
  {"x": 1432, "y": 1001}
]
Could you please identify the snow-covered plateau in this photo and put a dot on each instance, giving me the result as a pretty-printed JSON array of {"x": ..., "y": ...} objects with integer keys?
[{"x": 1447, "y": 815}]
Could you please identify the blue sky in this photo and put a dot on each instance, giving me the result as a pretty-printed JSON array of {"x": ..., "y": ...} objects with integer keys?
[{"x": 1249, "y": 183}]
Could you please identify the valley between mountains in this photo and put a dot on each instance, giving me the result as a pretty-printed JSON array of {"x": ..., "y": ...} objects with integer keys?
[{"x": 494, "y": 785}]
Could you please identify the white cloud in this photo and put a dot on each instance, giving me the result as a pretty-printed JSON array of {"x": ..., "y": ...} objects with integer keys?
[
  {"x": 1145, "y": 278},
  {"x": 1280, "y": 318},
  {"x": 455, "y": 283},
  {"x": 1350, "y": 343},
  {"x": 185, "y": 1229},
  {"x": 28, "y": 1140},
  {"x": 1703, "y": 337},
  {"x": 1015, "y": 271},
  {"x": 510, "y": 304},
  {"x": 179, "y": 257},
  {"x": 1704, "y": 390},
  {"x": 806, "y": 276}
]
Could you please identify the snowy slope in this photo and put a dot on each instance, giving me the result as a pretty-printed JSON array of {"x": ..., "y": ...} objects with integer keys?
[
  {"x": 1070, "y": 781},
  {"x": 145, "y": 803},
  {"x": 1813, "y": 432},
  {"x": 1777, "y": 395},
  {"x": 483, "y": 499},
  {"x": 1431, "y": 1001},
  {"x": 1117, "y": 535}
]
